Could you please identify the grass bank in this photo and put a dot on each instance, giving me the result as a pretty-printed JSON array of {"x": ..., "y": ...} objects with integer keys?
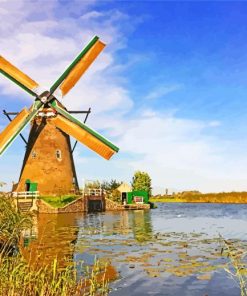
[
  {"x": 165, "y": 200},
  {"x": 21, "y": 277},
  {"x": 59, "y": 201}
]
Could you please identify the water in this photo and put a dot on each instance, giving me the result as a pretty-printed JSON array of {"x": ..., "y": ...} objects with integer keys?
[{"x": 172, "y": 250}]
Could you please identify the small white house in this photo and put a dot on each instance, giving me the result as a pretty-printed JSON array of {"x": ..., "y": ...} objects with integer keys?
[{"x": 124, "y": 188}]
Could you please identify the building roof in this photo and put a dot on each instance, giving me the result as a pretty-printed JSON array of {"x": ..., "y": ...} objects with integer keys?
[{"x": 124, "y": 187}]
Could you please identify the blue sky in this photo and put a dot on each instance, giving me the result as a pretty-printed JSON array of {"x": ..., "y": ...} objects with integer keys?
[{"x": 170, "y": 88}]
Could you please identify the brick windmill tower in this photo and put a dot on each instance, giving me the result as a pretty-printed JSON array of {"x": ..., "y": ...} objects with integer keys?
[{"x": 48, "y": 165}]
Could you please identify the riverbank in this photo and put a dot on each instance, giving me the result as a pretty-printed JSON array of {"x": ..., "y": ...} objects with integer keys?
[
  {"x": 190, "y": 197},
  {"x": 216, "y": 201}
]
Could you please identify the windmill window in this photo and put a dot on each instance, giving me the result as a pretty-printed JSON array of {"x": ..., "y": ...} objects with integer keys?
[
  {"x": 58, "y": 154},
  {"x": 34, "y": 154}
]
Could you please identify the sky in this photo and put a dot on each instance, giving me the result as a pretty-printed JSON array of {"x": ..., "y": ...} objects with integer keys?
[{"x": 170, "y": 88}]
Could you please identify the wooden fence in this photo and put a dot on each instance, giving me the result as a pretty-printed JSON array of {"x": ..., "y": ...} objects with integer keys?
[{"x": 26, "y": 194}]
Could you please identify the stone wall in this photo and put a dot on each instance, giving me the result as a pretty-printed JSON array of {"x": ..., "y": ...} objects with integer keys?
[
  {"x": 113, "y": 206},
  {"x": 80, "y": 205}
]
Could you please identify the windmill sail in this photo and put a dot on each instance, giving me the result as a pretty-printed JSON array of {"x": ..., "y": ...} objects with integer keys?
[
  {"x": 15, "y": 127},
  {"x": 17, "y": 76},
  {"x": 86, "y": 136},
  {"x": 12, "y": 130},
  {"x": 76, "y": 69}
]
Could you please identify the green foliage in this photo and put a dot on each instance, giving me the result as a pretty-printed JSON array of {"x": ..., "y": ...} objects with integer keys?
[
  {"x": 111, "y": 185},
  {"x": 58, "y": 201},
  {"x": 114, "y": 195},
  {"x": 12, "y": 223},
  {"x": 142, "y": 181},
  {"x": 93, "y": 185},
  {"x": 110, "y": 188}
]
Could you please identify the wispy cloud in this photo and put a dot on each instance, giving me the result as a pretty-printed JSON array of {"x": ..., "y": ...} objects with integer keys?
[
  {"x": 43, "y": 48},
  {"x": 162, "y": 91}
]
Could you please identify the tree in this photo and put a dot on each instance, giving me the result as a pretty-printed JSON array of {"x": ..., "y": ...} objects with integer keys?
[
  {"x": 93, "y": 185},
  {"x": 110, "y": 188},
  {"x": 114, "y": 195},
  {"x": 142, "y": 181},
  {"x": 112, "y": 185}
]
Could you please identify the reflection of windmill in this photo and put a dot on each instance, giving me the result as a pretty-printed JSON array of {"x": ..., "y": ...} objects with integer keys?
[{"x": 48, "y": 159}]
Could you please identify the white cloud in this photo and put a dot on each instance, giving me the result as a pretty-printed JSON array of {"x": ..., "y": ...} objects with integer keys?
[
  {"x": 44, "y": 48},
  {"x": 214, "y": 123},
  {"x": 178, "y": 154},
  {"x": 162, "y": 91}
]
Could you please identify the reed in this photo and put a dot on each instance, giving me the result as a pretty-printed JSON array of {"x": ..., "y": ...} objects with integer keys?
[
  {"x": 237, "y": 266},
  {"x": 20, "y": 278}
]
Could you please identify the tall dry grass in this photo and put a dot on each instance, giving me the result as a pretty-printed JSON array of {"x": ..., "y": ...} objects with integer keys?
[{"x": 237, "y": 265}]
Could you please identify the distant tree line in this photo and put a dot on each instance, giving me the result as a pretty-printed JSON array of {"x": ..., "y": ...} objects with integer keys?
[{"x": 196, "y": 196}]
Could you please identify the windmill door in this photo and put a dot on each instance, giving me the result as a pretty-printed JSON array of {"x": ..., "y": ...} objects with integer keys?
[{"x": 27, "y": 185}]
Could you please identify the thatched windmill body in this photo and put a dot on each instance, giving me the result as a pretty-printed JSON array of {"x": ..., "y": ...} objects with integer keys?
[{"x": 48, "y": 161}]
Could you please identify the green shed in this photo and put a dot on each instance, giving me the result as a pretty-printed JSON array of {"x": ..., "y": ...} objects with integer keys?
[{"x": 139, "y": 196}]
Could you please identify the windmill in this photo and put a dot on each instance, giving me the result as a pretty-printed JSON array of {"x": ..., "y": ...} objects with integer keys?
[{"x": 48, "y": 159}]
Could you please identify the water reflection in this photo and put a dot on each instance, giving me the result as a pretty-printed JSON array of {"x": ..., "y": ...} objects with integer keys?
[
  {"x": 142, "y": 225},
  {"x": 173, "y": 248},
  {"x": 56, "y": 237}
]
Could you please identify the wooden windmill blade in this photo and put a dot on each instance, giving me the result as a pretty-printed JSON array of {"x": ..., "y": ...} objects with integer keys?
[
  {"x": 84, "y": 134},
  {"x": 17, "y": 76},
  {"x": 76, "y": 69},
  {"x": 14, "y": 128}
]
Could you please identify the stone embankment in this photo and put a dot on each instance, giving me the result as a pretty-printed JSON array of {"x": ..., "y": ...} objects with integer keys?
[
  {"x": 114, "y": 206},
  {"x": 78, "y": 206}
]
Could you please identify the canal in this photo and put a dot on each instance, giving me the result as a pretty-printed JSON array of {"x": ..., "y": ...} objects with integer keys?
[{"x": 175, "y": 249}]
